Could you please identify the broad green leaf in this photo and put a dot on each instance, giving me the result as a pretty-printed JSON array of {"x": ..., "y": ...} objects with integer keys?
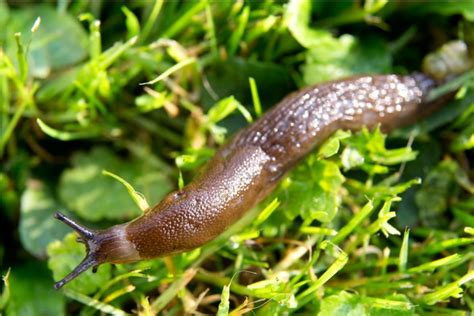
[
  {"x": 329, "y": 57},
  {"x": 37, "y": 225},
  {"x": 95, "y": 197},
  {"x": 52, "y": 47},
  {"x": 428, "y": 157},
  {"x": 65, "y": 255},
  {"x": 312, "y": 191},
  {"x": 433, "y": 196},
  {"x": 32, "y": 292},
  {"x": 346, "y": 56}
]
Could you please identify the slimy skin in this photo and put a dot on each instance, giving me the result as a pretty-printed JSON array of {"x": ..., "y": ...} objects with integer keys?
[
  {"x": 251, "y": 164},
  {"x": 245, "y": 170}
]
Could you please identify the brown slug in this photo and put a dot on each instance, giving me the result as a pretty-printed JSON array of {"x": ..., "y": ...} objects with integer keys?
[{"x": 251, "y": 164}]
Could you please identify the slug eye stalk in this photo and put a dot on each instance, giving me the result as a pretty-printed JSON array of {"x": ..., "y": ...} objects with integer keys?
[{"x": 87, "y": 237}]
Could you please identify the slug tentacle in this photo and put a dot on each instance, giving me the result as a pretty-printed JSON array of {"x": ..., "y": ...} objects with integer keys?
[
  {"x": 110, "y": 245},
  {"x": 84, "y": 233},
  {"x": 86, "y": 237},
  {"x": 89, "y": 261}
]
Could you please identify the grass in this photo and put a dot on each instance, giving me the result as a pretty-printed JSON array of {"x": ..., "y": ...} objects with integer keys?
[{"x": 146, "y": 91}]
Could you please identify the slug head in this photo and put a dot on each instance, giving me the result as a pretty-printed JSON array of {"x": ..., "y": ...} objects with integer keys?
[
  {"x": 108, "y": 245},
  {"x": 92, "y": 241}
]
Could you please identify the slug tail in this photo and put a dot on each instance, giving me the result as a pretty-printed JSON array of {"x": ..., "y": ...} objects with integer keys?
[{"x": 87, "y": 237}]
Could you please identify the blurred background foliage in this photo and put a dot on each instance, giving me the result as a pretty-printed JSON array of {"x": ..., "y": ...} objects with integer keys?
[{"x": 147, "y": 90}]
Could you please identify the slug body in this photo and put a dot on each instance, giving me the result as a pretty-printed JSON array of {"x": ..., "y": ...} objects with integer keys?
[
  {"x": 246, "y": 170},
  {"x": 252, "y": 163}
]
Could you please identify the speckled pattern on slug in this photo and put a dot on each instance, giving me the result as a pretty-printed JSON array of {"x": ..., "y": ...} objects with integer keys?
[
  {"x": 203, "y": 209},
  {"x": 305, "y": 118},
  {"x": 250, "y": 165}
]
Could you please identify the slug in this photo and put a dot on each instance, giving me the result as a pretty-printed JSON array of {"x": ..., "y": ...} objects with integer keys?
[{"x": 251, "y": 164}]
